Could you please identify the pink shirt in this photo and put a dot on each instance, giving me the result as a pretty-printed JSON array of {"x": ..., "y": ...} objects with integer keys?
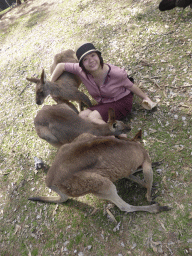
[{"x": 115, "y": 86}]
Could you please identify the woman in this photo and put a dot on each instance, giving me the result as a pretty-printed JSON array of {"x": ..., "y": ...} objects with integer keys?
[{"x": 109, "y": 85}]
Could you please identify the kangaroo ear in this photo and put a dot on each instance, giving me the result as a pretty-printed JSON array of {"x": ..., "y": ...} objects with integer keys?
[
  {"x": 33, "y": 79},
  {"x": 138, "y": 136},
  {"x": 43, "y": 77},
  {"x": 111, "y": 115}
]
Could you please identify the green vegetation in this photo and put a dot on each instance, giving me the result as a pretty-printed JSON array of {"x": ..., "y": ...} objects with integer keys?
[{"x": 154, "y": 48}]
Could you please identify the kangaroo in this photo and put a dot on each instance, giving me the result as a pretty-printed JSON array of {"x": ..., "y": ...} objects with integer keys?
[
  {"x": 59, "y": 124},
  {"x": 65, "y": 89},
  {"x": 63, "y": 57},
  {"x": 91, "y": 164}
]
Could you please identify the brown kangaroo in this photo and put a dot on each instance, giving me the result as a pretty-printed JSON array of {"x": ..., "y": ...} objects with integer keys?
[
  {"x": 65, "y": 89},
  {"x": 59, "y": 124},
  {"x": 91, "y": 164}
]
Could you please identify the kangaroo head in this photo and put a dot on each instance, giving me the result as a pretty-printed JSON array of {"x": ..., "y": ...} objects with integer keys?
[
  {"x": 40, "y": 91},
  {"x": 117, "y": 127}
]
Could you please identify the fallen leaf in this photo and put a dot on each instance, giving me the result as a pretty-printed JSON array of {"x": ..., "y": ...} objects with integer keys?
[
  {"x": 117, "y": 227},
  {"x": 110, "y": 215},
  {"x": 164, "y": 181},
  {"x": 94, "y": 211},
  {"x": 156, "y": 246},
  {"x": 55, "y": 210},
  {"x": 17, "y": 229}
]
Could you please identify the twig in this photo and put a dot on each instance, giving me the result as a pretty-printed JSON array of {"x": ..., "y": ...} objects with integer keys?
[
  {"x": 183, "y": 106},
  {"x": 165, "y": 34},
  {"x": 151, "y": 80},
  {"x": 173, "y": 87},
  {"x": 145, "y": 63},
  {"x": 23, "y": 90},
  {"x": 155, "y": 77},
  {"x": 184, "y": 86},
  {"x": 160, "y": 35},
  {"x": 7, "y": 3},
  {"x": 160, "y": 141},
  {"x": 111, "y": 217}
]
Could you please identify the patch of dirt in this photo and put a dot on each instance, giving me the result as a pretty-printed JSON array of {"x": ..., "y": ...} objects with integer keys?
[{"x": 27, "y": 8}]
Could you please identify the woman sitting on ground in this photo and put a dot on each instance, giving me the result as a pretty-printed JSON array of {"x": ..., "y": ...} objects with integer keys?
[{"x": 109, "y": 85}]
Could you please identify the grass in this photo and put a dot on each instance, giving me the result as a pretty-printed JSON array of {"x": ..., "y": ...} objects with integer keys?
[{"x": 155, "y": 48}]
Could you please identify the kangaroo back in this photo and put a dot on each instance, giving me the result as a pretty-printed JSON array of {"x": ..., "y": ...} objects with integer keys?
[
  {"x": 67, "y": 56},
  {"x": 64, "y": 57}
]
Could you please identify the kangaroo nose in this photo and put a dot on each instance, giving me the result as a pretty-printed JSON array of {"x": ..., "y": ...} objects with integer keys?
[{"x": 38, "y": 102}]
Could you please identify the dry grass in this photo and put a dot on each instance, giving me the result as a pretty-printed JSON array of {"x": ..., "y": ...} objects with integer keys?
[{"x": 155, "y": 48}]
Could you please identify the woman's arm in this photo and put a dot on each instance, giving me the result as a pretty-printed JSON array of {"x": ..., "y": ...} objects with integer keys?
[
  {"x": 60, "y": 68},
  {"x": 136, "y": 90},
  {"x": 147, "y": 102}
]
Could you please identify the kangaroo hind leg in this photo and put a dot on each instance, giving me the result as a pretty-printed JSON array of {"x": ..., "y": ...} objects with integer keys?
[
  {"x": 102, "y": 187},
  {"x": 108, "y": 191}
]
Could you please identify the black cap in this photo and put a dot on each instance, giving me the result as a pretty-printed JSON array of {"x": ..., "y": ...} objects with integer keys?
[{"x": 85, "y": 49}]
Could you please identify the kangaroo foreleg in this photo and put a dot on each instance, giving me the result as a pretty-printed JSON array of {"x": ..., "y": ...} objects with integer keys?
[
  {"x": 84, "y": 98},
  {"x": 72, "y": 106},
  {"x": 148, "y": 177},
  {"x": 137, "y": 180}
]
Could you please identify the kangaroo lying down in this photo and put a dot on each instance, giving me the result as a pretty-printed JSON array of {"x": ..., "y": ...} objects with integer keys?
[
  {"x": 91, "y": 164},
  {"x": 59, "y": 124}
]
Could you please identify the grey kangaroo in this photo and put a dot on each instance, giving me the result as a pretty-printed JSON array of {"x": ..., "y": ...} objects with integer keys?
[
  {"x": 59, "y": 124},
  {"x": 65, "y": 89},
  {"x": 91, "y": 164}
]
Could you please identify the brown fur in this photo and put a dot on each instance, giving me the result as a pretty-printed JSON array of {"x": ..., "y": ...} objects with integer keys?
[
  {"x": 59, "y": 124},
  {"x": 65, "y": 89},
  {"x": 91, "y": 164}
]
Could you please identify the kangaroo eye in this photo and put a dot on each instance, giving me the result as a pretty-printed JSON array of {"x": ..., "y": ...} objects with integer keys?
[
  {"x": 114, "y": 125},
  {"x": 40, "y": 93}
]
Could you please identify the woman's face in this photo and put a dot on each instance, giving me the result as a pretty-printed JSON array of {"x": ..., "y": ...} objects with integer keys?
[{"x": 91, "y": 62}]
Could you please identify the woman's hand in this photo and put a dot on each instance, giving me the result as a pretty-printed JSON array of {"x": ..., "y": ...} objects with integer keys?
[{"x": 148, "y": 104}]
